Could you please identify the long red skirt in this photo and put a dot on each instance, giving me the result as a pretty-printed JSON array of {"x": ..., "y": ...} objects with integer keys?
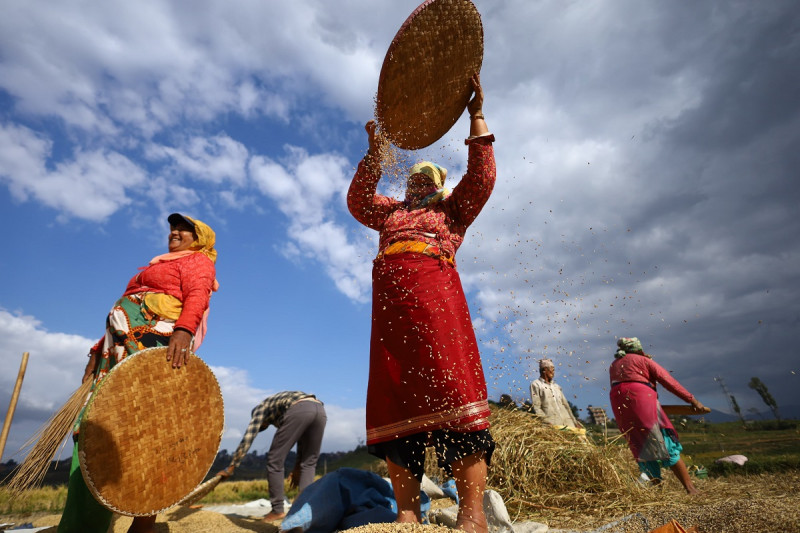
[{"x": 425, "y": 369}]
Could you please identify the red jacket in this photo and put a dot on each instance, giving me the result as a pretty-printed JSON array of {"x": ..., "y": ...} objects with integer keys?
[{"x": 189, "y": 279}]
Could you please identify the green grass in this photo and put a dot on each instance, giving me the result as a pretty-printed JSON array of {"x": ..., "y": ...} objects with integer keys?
[
  {"x": 46, "y": 499},
  {"x": 766, "y": 450}
]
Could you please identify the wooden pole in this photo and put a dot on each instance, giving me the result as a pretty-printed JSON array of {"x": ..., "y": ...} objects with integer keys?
[{"x": 13, "y": 405}]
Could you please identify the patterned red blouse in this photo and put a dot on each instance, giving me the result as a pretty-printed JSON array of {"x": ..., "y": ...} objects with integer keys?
[
  {"x": 442, "y": 224},
  {"x": 189, "y": 279}
]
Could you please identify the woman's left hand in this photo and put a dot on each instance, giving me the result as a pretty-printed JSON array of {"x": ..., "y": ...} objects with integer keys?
[
  {"x": 475, "y": 105},
  {"x": 180, "y": 345}
]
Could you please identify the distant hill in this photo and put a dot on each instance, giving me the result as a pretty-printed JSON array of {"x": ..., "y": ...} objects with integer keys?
[
  {"x": 787, "y": 412},
  {"x": 253, "y": 466}
]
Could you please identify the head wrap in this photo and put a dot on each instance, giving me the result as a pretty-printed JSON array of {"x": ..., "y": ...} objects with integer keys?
[
  {"x": 628, "y": 345},
  {"x": 204, "y": 243},
  {"x": 206, "y": 239},
  {"x": 437, "y": 175},
  {"x": 546, "y": 363}
]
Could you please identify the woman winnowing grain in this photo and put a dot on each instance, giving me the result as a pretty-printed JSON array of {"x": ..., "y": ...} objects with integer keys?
[{"x": 426, "y": 382}]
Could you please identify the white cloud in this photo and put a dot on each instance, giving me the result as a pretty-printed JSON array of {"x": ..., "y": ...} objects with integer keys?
[
  {"x": 91, "y": 186},
  {"x": 54, "y": 370},
  {"x": 216, "y": 159},
  {"x": 309, "y": 190}
]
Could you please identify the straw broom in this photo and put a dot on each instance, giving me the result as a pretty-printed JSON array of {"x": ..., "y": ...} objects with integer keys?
[{"x": 48, "y": 440}]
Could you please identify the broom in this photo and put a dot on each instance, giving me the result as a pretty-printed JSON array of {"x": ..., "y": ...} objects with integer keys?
[{"x": 48, "y": 440}]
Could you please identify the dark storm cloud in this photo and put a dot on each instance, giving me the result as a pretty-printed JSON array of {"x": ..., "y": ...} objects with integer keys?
[
  {"x": 753, "y": 80},
  {"x": 679, "y": 225}
]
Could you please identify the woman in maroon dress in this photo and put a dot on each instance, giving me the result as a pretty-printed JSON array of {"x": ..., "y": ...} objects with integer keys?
[
  {"x": 651, "y": 436},
  {"x": 426, "y": 382}
]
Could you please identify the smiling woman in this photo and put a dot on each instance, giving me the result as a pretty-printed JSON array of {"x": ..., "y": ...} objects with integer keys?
[
  {"x": 181, "y": 234},
  {"x": 165, "y": 304}
]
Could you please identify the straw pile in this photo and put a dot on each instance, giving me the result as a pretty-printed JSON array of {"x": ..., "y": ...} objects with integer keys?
[{"x": 536, "y": 466}]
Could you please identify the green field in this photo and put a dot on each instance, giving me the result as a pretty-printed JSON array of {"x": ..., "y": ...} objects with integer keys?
[{"x": 767, "y": 450}]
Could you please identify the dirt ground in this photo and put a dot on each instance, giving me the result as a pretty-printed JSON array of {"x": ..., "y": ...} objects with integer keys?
[{"x": 753, "y": 504}]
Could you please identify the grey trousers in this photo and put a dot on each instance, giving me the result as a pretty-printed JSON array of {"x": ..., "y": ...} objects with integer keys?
[{"x": 304, "y": 424}]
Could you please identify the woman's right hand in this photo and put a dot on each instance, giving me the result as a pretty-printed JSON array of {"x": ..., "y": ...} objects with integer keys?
[
  {"x": 91, "y": 368},
  {"x": 698, "y": 406},
  {"x": 372, "y": 137},
  {"x": 477, "y": 122}
]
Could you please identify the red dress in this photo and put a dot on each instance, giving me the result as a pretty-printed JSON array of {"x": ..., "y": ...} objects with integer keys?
[
  {"x": 636, "y": 407},
  {"x": 425, "y": 368}
]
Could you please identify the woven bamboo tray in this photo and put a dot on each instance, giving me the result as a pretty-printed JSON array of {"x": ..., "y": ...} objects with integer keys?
[
  {"x": 424, "y": 84},
  {"x": 150, "y": 433}
]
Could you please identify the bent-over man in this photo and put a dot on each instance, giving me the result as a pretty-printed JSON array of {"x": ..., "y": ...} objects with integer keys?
[{"x": 299, "y": 418}]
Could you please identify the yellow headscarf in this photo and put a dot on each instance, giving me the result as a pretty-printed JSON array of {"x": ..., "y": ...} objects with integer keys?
[
  {"x": 436, "y": 173},
  {"x": 206, "y": 239},
  {"x": 437, "y": 176}
]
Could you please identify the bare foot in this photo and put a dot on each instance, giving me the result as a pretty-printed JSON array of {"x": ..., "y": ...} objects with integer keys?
[
  {"x": 471, "y": 525},
  {"x": 273, "y": 516}
]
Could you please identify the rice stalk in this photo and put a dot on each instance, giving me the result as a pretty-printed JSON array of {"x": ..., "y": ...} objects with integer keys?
[{"x": 46, "y": 442}]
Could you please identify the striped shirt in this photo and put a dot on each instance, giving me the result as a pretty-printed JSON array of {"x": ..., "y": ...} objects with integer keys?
[{"x": 269, "y": 412}]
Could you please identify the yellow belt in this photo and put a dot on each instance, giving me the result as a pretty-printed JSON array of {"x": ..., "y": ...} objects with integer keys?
[{"x": 400, "y": 247}]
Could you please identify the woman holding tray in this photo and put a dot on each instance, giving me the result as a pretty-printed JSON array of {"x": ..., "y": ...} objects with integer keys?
[
  {"x": 426, "y": 382},
  {"x": 165, "y": 304}
]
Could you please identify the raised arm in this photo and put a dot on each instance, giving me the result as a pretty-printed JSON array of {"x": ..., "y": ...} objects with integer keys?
[
  {"x": 474, "y": 189},
  {"x": 368, "y": 207}
]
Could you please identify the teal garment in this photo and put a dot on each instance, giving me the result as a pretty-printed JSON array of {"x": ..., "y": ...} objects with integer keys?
[
  {"x": 82, "y": 512},
  {"x": 653, "y": 468}
]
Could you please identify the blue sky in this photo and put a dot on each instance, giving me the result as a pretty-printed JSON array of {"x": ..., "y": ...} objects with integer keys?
[{"x": 647, "y": 186}]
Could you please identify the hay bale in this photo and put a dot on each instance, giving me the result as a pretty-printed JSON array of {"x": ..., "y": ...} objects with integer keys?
[{"x": 538, "y": 466}]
